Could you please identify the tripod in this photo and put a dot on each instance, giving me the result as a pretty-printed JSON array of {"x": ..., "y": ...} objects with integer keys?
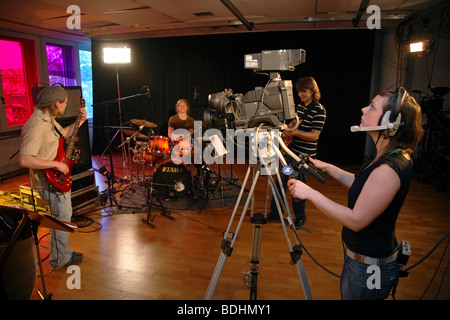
[{"x": 258, "y": 220}]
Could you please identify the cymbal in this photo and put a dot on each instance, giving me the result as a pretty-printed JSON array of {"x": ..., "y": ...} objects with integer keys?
[
  {"x": 144, "y": 123},
  {"x": 138, "y": 135}
]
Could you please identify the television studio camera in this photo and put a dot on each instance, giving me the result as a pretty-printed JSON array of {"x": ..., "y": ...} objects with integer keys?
[
  {"x": 271, "y": 105},
  {"x": 262, "y": 113}
]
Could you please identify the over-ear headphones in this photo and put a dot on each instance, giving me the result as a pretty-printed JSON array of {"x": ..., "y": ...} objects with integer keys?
[{"x": 391, "y": 119}]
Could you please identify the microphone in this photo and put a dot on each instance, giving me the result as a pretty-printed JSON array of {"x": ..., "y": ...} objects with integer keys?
[
  {"x": 374, "y": 128},
  {"x": 389, "y": 126},
  {"x": 147, "y": 92}
]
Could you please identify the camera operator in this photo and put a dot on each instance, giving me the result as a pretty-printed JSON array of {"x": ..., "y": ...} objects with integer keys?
[
  {"x": 304, "y": 140},
  {"x": 376, "y": 194}
]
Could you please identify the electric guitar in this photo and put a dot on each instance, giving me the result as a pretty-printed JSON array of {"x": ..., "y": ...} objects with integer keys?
[
  {"x": 292, "y": 126},
  {"x": 63, "y": 182}
]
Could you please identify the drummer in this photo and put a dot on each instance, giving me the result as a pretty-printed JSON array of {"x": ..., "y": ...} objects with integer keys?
[{"x": 182, "y": 120}]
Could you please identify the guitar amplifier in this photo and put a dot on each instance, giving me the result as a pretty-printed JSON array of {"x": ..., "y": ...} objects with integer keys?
[
  {"x": 83, "y": 180},
  {"x": 80, "y": 198},
  {"x": 84, "y": 197}
]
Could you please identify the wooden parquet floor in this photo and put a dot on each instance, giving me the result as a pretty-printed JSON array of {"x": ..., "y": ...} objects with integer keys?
[{"x": 125, "y": 259}]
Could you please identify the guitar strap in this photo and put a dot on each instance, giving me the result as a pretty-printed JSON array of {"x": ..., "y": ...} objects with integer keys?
[{"x": 60, "y": 134}]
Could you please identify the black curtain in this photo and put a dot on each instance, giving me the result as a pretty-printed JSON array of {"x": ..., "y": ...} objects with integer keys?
[{"x": 340, "y": 60}]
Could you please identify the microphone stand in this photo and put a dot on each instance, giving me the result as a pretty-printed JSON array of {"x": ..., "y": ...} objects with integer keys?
[
  {"x": 107, "y": 103},
  {"x": 118, "y": 100}
]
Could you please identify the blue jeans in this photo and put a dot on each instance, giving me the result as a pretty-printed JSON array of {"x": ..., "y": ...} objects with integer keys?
[
  {"x": 61, "y": 207},
  {"x": 355, "y": 277}
]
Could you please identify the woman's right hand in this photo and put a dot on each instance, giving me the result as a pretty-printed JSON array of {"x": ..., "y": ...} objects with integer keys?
[{"x": 319, "y": 164}]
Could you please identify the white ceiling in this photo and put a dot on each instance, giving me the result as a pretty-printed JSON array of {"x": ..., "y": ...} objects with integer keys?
[{"x": 127, "y": 19}]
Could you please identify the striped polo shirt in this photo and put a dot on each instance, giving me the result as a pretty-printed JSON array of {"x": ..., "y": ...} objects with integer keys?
[{"x": 313, "y": 117}]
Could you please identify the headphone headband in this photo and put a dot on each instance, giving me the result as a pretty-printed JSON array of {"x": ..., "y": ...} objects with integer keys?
[
  {"x": 400, "y": 95},
  {"x": 392, "y": 117}
]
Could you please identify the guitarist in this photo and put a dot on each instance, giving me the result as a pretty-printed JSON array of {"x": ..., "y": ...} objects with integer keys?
[
  {"x": 39, "y": 146},
  {"x": 304, "y": 140}
]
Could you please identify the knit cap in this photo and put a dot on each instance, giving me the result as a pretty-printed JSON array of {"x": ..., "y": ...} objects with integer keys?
[{"x": 50, "y": 95}]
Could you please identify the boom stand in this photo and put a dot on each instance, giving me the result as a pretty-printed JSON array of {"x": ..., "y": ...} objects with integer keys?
[{"x": 258, "y": 220}]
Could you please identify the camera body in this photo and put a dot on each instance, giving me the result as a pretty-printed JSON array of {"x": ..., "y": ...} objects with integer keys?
[{"x": 271, "y": 105}]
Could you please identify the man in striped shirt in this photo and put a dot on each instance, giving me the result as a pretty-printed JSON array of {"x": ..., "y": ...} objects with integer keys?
[{"x": 304, "y": 140}]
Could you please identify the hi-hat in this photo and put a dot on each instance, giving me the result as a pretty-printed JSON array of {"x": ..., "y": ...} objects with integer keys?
[{"x": 144, "y": 123}]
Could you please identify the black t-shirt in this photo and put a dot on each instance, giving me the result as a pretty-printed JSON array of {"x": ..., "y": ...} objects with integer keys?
[{"x": 378, "y": 240}]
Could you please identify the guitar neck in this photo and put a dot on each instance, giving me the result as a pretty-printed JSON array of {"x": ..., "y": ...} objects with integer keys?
[{"x": 71, "y": 145}]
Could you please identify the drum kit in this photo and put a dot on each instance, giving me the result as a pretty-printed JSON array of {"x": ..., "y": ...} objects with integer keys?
[{"x": 152, "y": 168}]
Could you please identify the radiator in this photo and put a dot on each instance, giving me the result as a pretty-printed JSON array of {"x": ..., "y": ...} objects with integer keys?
[{"x": 8, "y": 149}]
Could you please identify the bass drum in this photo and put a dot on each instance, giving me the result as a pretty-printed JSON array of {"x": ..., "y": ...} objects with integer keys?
[{"x": 172, "y": 179}]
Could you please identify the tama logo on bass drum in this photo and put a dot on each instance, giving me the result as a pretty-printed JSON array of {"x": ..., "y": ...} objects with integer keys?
[{"x": 172, "y": 169}]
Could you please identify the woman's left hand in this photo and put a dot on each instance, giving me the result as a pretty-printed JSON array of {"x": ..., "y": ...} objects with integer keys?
[{"x": 299, "y": 189}]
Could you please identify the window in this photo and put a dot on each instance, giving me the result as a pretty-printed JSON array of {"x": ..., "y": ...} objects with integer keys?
[
  {"x": 60, "y": 63},
  {"x": 86, "y": 79},
  {"x": 17, "y": 74}
]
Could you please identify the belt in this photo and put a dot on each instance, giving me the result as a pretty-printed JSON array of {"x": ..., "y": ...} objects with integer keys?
[{"x": 369, "y": 260}]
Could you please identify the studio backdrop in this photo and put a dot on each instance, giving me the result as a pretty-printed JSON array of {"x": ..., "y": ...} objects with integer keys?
[{"x": 193, "y": 67}]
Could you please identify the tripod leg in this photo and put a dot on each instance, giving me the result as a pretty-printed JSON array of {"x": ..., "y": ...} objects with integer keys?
[
  {"x": 226, "y": 246},
  {"x": 296, "y": 251},
  {"x": 258, "y": 220}
]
